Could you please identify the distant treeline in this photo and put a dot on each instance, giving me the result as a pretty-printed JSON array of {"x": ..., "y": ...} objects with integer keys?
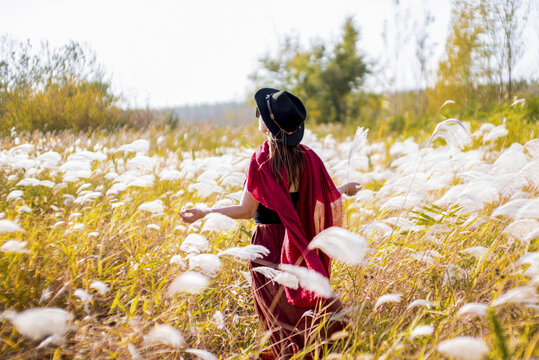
[{"x": 65, "y": 88}]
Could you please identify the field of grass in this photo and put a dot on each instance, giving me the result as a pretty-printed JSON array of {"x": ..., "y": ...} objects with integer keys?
[{"x": 89, "y": 225}]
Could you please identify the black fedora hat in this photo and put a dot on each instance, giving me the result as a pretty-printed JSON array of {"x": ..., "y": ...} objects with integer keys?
[{"x": 283, "y": 113}]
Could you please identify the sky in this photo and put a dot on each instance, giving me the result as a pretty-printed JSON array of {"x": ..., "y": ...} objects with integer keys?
[{"x": 163, "y": 53}]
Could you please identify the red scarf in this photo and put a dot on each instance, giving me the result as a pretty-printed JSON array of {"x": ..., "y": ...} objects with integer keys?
[{"x": 319, "y": 207}]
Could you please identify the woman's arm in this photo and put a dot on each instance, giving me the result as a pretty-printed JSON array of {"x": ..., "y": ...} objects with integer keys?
[{"x": 245, "y": 210}]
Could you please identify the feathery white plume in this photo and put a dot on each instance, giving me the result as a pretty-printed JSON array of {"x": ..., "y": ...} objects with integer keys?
[
  {"x": 153, "y": 227},
  {"x": 360, "y": 138},
  {"x": 194, "y": 243},
  {"x": 83, "y": 295},
  {"x": 520, "y": 228},
  {"x": 422, "y": 330},
  {"x": 249, "y": 252},
  {"x": 280, "y": 277},
  {"x": 341, "y": 244},
  {"x": 189, "y": 282},
  {"x": 478, "y": 252},
  {"x": 55, "y": 340},
  {"x": 310, "y": 280},
  {"x": 9, "y": 226},
  {"x": 15, "y": 246},
  {"x": 473, "y": 308},
  {"x": 218, "y": 319},
  {"x": 464, "y": 347},
  {"x": 219, "y": 223},
  {"x": 100, "y": 286},
  {"x": 387, "y": 298},
  {"x": 420, "y": 302},
  {"x": 176, "y": 259},
  {"x": 37, "y": 323},
  {"x": 164, "y": 334},
  {"x": 135, "y": 355},
  {"x": 155, "y": 207},
  {"x": 519, "y": 295},
  {"x": 15, "y": 195},
  {"x": 201, "y": 354},
  {"x": 208, "y": 264}
]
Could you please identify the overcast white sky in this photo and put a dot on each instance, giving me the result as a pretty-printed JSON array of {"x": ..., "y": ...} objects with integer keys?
[{"x": 167, "y": 53}]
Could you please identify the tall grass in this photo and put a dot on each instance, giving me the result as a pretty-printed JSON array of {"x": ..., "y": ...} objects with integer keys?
[{"x": 71, "y": 243}]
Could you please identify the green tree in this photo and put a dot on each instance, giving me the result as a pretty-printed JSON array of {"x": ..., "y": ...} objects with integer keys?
[
  {"x": 324, "y": 79},
  {"x": 464, "y": 67}
]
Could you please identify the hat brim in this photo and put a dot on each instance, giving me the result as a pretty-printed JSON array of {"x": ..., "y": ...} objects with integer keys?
[{"x": 290, "y": 140}]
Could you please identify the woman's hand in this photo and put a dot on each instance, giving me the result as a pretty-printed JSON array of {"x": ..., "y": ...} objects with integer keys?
[
  {"x": 350, "y": 188},
  {"x": 192, "y": 215}
]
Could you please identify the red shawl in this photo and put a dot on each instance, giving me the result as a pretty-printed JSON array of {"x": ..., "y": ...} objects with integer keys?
[{"x": 319, "y": 207}]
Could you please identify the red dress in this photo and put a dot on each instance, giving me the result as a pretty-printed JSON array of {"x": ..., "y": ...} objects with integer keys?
[{"x": 292, "y": 316}]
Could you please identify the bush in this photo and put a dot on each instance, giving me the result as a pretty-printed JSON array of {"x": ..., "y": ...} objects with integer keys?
[{"x": 55, "y": 89}]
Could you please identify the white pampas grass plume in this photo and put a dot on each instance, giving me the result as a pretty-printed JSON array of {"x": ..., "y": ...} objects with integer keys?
[
  {"x": 201, "y": 354},
  {"x": 360, "y": 138},
  {"x": 420, "y": 302},
  {"x": 25, "y": 209},
  {"x": 422, "y": 330},
  {"x": 218, "y": 319},
  {"x": 531, "y": 236},
  {"x": 387, "y": 298},
  {"x": 208, "y": 264},
  {"x": 219, "y": 223},
  {"x": 138, "y": 146},
  {"x": 464, "y": 347},
  {"x": 15, "y": 246},
  {"x": 164, "y": 334},
  {"x": 170, "y": 175},
  {"x": 447, "y": 102},
  {"x": 478, "y": 252},
  {"x": 14, "y": 195},
  {"x": 153, "y": 227},
  {"x": 189, "y": 282},
  {"x": 267, "y": 271},
  {"x": 194, "y": 243},
  {"x": 82, "y": 295},
  {"x": 497, "y": 132},
  {"x": 519, "y": 229},
  {"x": 155, "y": 207},
  {"x": 280, "y": 277},
  {"x": 45, "y": 295},
  {"x": 286, "y": 279},
  {"x": 180, "y": 228},
  {"x": 37, "y": 323},
  {"x": 8, "y": 226},
  {"x": 100, "y": 287},
  {"x": 249, "y": 252},
  {"x": 455, "y": 136},
  {"x": 176, "y": 259},
  {"x": 55, "y": 340},
  {"x": 511, "y": 208},
  {"x": 520, "y": 295},
  {"x": 473, "y": 308},
  {"x": 135, "y": 355},
  {"x": 310, "y": 280},
  {"x": 341, "y": 244},
  {"x": 516, "y": 102}
]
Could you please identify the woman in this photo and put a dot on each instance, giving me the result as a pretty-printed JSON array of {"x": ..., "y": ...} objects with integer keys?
[{"x": 292, "y": 198}]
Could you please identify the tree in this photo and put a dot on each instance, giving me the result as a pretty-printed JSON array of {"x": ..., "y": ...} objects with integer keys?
[
  {"x": 464, "y": 66},
  {"x": 323, "y": 79},
  {"x": 507, "y": 20}
]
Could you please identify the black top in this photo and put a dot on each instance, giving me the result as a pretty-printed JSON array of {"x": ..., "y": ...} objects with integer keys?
[{"x": 264, "y": 215}]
